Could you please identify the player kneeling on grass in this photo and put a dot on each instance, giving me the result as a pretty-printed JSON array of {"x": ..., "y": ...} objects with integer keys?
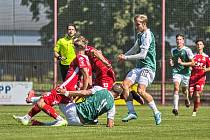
[{"x": 97, "y": 101}]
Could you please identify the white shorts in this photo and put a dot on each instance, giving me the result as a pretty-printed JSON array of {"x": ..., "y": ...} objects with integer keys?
[
  {"x": 69, "y": 110},
  {"x": 181, "y": 79},
  {"x": 143, "y": 76}
]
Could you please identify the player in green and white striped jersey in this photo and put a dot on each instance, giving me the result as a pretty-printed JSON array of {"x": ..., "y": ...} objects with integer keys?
[
  {"x": 144, "y": 53},
  {"x": 97, "y": 101},
  {"x": 181, "y": 58}
]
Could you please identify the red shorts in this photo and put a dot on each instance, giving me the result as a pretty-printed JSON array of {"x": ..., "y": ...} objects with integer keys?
[
  {"x": 105, "y": 79},
  {"x": 53, "y": 98},
  {"x": 198, "y": 86},
  {"x": 105, "y": 83}
]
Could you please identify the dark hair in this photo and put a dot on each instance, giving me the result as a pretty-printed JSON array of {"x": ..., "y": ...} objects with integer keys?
[
  {"x": 71, "y": 24},
  {"x": 200, "y": 40},
  {"x": 180, "y": 35},
  {"x": 117, "y": 88}
]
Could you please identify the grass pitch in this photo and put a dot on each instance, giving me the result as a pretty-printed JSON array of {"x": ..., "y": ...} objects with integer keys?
[{"x": 182, "y": 127}]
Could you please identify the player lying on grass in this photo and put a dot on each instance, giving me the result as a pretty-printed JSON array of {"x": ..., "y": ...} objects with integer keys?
[
  {"x": 80, "y": 67},
  {"x": 97, "y": 101}
]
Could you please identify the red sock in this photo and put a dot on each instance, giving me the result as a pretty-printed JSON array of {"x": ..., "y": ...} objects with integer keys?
[
  {"x": 196, "y": 106},
  {"x": 35, "y": 110},
  {"x": 50, "y": 111}
]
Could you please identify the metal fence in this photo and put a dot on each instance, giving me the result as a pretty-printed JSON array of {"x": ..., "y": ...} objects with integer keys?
[{"x": 27, "y": 33}]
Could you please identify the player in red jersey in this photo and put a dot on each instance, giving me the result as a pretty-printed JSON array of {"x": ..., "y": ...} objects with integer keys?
[
  {"x": 198, "y": 74},
  {"x": 104, "y": 75},
  {"x": 79, "y": 67}
]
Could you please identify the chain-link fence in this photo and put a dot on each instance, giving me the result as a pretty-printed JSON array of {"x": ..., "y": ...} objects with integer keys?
[{"x": 27, "y": 29}]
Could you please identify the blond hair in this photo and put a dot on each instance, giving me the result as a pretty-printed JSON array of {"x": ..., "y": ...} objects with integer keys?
[
  {"x": 80, "y": 42},
  {"x": 143, "y": 18}
]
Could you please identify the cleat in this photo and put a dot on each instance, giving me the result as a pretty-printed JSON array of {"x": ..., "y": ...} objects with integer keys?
[
  {"x": 175, "y": 112},
  {"x": 194, "y": 114},
  {"x": 129, "y": 117},
  {"x": 61, "y": 123},
  {"x": 157, "y": 117},
  {"x": 31, "y": 94},
  {"x": 21, "y": 119},
  {"x": 187, "y": 103}
]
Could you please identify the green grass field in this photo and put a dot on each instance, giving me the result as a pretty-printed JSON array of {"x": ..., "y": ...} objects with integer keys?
[{"x": 182, "y": 127}]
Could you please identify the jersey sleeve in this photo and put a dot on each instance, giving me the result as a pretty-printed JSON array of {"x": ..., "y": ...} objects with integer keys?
[
  {"x": 189, "y": 53},
  {"x": 95, "y": 89},
  {"x": 57, "y": 46},
  {"x": 146, "y": 39},
  {"x": 207, "y": 61},
  {"x": 111, "y": 113}
]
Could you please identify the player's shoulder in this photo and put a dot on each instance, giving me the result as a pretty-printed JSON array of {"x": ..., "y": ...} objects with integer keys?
[
  {"x": 187, "y": 48},
  {"x": 205, "y": 55},
  {"x": 173, "y": 49}
]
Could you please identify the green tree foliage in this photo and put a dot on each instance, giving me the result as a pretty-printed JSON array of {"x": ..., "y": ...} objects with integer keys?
[{"x": 108, "y": 24}]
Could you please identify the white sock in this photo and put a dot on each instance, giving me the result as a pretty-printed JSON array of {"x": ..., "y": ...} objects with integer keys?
[
  {"x": 153, "y": 106},
  {"x": 130, "y": 107},
  {"x": 176, "y": 101},
  {"x": 59, "y": 118},
  {"x": 27, "y": 117},
  {"x": 35, "y": 99}
]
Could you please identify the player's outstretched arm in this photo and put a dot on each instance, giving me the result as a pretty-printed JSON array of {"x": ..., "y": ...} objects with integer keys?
[{"x": 78, "y": 93}]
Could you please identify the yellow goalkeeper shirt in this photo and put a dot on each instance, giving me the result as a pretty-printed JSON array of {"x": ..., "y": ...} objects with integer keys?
[{"x": 65, "y": 48}]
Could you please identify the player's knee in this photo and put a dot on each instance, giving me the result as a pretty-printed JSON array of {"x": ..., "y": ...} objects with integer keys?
[
  {"x": 142, "y": 92},
  {"x": 41, "y": 103}
]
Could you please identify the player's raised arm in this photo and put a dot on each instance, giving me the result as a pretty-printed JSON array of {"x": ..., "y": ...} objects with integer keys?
[{"x": 99, "y": 55}]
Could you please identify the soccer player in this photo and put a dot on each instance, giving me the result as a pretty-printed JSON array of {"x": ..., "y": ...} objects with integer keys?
[
  {"x": 144, "y": 53},
  {"x": 79, "y": 67},
  {"x": 180, "y": 71},
  {"x": 104, "y": 75},
  {"x": 64, "y": 50},
  {"x": 198, "y": 74},
  {"x": 97, "y": 101}
]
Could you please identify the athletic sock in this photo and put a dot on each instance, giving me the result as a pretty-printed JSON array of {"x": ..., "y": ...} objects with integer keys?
[
  {"x": 35, "y": 99},
  {"x": 176, "y": 101},
  {"x": 35, "y": 110},
  {"x": 130, "y": 107},
  {"x": 50, "y": 111},
  {"x": 153, "y": 106},
  {"x": 27, "y": 117}
]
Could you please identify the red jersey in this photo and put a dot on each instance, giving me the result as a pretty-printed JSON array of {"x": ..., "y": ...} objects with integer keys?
[
  {"x": 104, "y": 76},
  {"x": 198, "y": 75},
  {"x": 74, "y": 74}
]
